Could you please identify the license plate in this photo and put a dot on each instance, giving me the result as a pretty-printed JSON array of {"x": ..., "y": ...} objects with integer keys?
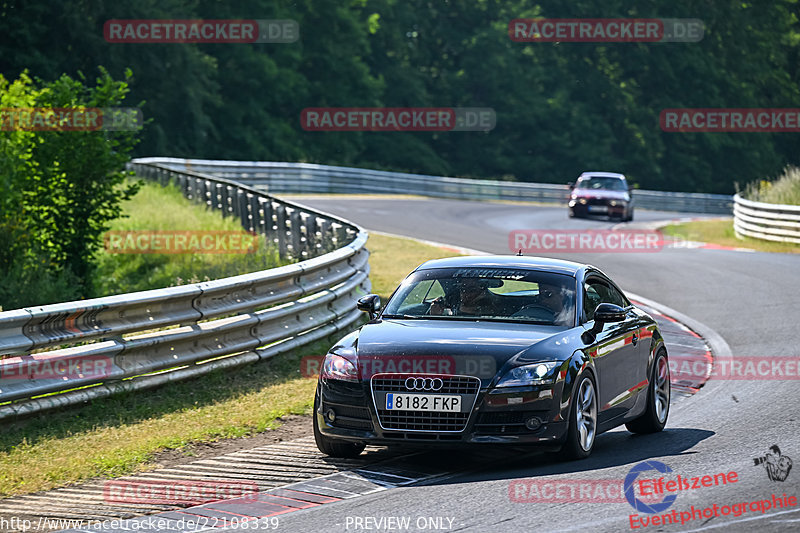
[
  {"x": 598, "y": 209},
  {"x": 423, "y": 402}
]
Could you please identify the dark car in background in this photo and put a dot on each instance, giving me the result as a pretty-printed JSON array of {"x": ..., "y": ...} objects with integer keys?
[
  {"x": 496, "y": 349},
  {"x": 601, "y": 194}
]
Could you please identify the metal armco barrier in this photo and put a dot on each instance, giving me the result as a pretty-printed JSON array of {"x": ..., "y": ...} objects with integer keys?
[
  {"x": 771, "y": 222},
  {"x": 108, "y": 345},
  {"x": 311, "y": 178}
]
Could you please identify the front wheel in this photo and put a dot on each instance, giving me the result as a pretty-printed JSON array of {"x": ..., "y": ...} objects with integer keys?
[
  {"x": 582, "y": 421},
  {"x": 655, "y": 414},
  {"x": 334, "y": 447}
]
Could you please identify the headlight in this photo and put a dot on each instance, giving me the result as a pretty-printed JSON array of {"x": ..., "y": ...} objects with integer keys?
[
  {"x": 534, "y": 374},
  {"x": 582, "y": 200},
  {"x": 337, "y": 367}
]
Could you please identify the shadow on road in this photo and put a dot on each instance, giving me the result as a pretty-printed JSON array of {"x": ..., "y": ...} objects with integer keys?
[{"x": 615, "y": 448}]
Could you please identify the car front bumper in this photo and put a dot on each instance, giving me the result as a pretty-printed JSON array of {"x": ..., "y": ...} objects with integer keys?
[{"x": 497, "y": 416}]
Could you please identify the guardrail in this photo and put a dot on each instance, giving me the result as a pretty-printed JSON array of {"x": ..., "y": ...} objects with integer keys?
[
  {"x": 771, "y": 222},
  {"x": 311, "y": 178},
  {"x": 118, "y": 343}
]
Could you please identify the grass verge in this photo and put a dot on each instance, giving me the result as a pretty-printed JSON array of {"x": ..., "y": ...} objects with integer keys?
[
  {"x": 783, "y": 190},
  {"x": 157, "y": 208},
  {"x": 721, "y": 232},
  {"x": 119, "y": 435}
]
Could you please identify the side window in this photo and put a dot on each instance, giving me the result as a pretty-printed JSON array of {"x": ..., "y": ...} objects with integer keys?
[
  {"x": 595, "y": 292},
  {"x": 614, "y": 297},
  {"x": 423, "y": 293},
  {"x": 591, "y": 299}
]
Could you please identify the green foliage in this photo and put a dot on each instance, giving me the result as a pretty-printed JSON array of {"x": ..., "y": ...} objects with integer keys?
[
  {"x": 561, "y": 107},
  {"x": 59, "y": 191}
]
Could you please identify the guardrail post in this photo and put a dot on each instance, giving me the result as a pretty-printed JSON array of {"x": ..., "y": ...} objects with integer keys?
[
  {"x": 294, "y": 230},
  {"x": 280, "y": 223}
]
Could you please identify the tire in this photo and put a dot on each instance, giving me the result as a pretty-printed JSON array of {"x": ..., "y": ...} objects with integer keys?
[
  {"x": 571, "y": 213},
  {"x": 630, "y": 216},
  {"x": 656, "y": 413},
  {"x": 334, "y": 447},
  {"x": 582, "y": 430}
]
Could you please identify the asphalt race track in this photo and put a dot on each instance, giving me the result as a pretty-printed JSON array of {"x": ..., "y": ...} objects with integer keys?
[
  {"x": 743, "y": 303},
  {"x": 750, "y": 299}
]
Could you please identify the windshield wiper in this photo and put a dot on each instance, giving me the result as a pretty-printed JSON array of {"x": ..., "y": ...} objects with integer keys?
[{"x": 404, "y": 316}]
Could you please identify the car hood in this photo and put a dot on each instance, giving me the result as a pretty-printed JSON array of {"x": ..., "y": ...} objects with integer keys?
[
  {"x": 600, "y": 193},
  {"x": 452, "y": 346}
]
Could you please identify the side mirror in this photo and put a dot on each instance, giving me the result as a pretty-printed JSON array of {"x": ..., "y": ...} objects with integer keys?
[
  {"x": 371, "y": 303},
  {"x": 609, "y": 313},
  {"x": 571, "y": 185},
  {"x": 603, "y": 314}
]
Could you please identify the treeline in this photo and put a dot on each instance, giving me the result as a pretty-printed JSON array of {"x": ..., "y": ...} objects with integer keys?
[{"x": 561, "y": 107}]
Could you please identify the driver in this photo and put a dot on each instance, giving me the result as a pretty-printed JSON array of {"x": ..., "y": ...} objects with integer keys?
[
  {"x": 474, "y": 299},
  {"x": 554, "y": 298},
  {"x": 550, "y": 296}
]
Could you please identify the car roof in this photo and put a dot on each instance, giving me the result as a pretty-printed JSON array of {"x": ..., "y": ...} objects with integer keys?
[
  {"x": 603, "y": 175},
  {"x": 546, "y": 264}
]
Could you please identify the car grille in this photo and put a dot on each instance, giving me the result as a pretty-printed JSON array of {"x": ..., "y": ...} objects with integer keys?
[
  {"x": 425, "y": 420},
  {"x": 597, "y": 201},
  {"x": 451, "y": 384}
]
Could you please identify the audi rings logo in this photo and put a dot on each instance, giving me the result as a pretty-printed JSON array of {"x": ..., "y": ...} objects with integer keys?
[{"x": 424, "y": 383}]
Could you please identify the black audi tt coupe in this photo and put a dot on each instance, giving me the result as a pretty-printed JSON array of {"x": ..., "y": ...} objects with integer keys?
[{"x": 494, "y": 349}]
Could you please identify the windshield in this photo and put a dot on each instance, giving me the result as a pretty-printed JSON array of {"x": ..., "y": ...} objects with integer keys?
[
  {"x": 486, "y": 294},
  {"x": 597, "y": 182}
]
